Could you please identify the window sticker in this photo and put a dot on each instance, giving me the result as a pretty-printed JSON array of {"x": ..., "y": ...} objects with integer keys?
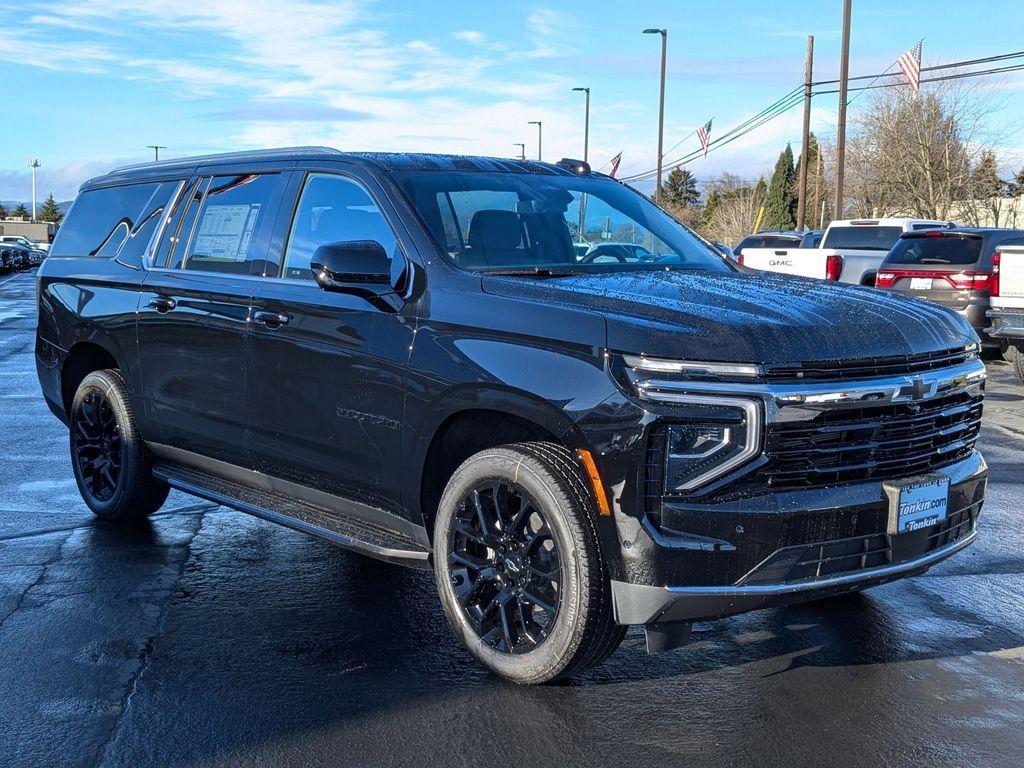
[{"x": 226, "y": 231}]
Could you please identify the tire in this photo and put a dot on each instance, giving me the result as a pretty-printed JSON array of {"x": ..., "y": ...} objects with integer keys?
[
  {"x": 1009, "y": 352},
  {"x": 112, "y": 466},
  {"x": 553, "y": 627},
  {"x": 1018, "y": 365}
]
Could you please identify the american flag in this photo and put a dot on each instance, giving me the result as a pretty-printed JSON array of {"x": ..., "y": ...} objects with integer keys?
[
  {"x": 910, "y": 63},
  {"x": 704, "y": 134},
  {"x": 615, "y": 164}
]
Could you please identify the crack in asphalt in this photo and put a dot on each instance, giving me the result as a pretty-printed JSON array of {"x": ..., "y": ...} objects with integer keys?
[
  {"x": 185, "y": 510},
  {"x": 20, "y": 602},
  {"x": 148, "y": 649}
]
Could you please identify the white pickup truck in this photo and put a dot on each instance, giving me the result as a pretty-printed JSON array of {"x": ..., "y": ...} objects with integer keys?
[
  {"x": 851, "y": 250},
  {"x": 1006, "y": 310}
]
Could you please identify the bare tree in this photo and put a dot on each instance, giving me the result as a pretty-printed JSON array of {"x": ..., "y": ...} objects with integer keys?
[
  {"x": 917, "y": 156},
  {"x": 732, "y": 208}
]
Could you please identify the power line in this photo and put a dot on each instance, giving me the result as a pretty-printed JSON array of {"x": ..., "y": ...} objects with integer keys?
[
  {"x": 935, "y": 67},
  {"x": 956, "y": 76}
]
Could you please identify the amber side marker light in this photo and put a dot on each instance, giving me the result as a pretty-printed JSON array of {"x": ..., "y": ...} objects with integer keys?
[{"x": 595, "y": 482}]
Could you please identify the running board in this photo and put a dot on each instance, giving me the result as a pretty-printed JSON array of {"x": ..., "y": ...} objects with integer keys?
[{"x": 345, "y": 530}]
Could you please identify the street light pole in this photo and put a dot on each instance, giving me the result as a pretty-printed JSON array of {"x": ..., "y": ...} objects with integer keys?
[
  {"x": 661, "y": 104},
  {"x": 33, "y": 163},
  {"x": 522, "y": 150},
  {"x": 156, "y": 150},
  {"x": 540, "y": 138},
  {"x": 586, "y": 125}
]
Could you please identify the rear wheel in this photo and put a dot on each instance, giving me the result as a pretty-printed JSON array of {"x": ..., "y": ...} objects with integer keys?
[
  {"x": 519, "y": 567},
  {"x": 112, "y": 466},
  {"x": 1018, "y": 364},
  {"x": 1008, "y": 351}
]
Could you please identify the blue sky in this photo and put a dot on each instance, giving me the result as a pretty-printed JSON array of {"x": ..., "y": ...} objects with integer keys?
[{"x": 89, "y": 83}]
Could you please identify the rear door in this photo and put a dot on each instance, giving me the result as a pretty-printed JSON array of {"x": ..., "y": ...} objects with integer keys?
[
  {"x": 195, "y": 309},
  {"x": 328, "y": 368}
]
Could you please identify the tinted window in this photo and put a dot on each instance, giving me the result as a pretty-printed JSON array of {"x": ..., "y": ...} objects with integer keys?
[
  {"x": 101, "y": 220},
  {"x": 936, "y": 251},
  {"x": 231, "y": 227},
  {"x": 333, "y": 209},
  {"x": 138, "y": 239},
  {"x": 780, "y": 242},
  {"x": 512, "y": 221},
  {"x": 864, "y": 238}
]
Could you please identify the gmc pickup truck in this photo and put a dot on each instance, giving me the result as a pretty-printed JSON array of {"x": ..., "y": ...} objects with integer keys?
[
  {"x": 851, "y": 250},
  {"x": 1007, "y": 301}
]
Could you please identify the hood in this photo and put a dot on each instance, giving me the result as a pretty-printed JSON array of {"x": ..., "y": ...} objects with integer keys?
[{"x": 735, "y": 317}]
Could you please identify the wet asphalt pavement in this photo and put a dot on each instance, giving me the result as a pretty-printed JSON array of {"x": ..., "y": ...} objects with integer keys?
[{"x": 205, "y": 637}]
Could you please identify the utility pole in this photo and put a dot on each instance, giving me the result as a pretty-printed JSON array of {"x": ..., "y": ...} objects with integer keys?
[
  {"x": 661, "y": 104},
  {"x": 801, "y": 207},
  {"x": 844, "y": 77},
  {"x": 540, "y": 138},
  {"x": 586, "y": 124},
  {"x": 522, "y": 150},
  {"x": 156, "y": 150},
  {"x": 33, "y": 163}
]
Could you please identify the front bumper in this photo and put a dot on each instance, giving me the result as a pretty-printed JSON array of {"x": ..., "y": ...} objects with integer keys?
[
  {"x": 640, "y": 604},
  {"x": 778, "y": 554}
]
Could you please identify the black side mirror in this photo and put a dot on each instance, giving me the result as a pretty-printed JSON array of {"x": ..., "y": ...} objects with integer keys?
[{"x": 351, "y": 265}]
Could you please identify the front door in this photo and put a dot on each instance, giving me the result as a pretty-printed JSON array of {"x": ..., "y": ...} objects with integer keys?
[
  {"x": 194, "y": 315},
  {"x": 329, "y": 368}
]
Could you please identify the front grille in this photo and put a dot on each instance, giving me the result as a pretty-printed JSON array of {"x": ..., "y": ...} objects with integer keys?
[
  {"x": 867, "y": 368},
  {"x": 836, "y": 558},
  {"x": 878, "y": 442}
]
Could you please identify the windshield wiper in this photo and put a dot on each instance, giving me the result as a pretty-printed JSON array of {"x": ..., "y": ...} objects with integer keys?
[
  {"x": 934, "y": 261},
  {"x": 529, "y": 272}
]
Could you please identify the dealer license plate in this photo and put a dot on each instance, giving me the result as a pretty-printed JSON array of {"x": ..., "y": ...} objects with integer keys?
[{"x": 917, "y": 503}]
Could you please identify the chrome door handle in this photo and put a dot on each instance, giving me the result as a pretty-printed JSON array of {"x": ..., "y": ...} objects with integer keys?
[
  {"x": 162, "y": 303},
  {"x": 271, "y": 319}
]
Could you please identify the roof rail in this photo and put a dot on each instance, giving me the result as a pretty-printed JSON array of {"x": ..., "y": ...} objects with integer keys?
[{"x": 252, "y": 154}]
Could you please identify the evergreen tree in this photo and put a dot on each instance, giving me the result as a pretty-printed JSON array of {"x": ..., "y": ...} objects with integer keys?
[
  {"x": 985, "y": 181},
  {"x": 680, "y": 188},
  {"x": 760, "y": 191},
  {"x": 815, "y": 186},
  {"x": 1016, "y": 186},
  {"x": 50, "y": 211},
  {"x": 21, "y": 212},
  {"x": 780, "y": 202},
  {"x": 4, "y": 213}
]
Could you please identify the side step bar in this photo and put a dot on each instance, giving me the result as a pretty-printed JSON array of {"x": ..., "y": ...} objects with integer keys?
[{"x": 345, "y": 530}]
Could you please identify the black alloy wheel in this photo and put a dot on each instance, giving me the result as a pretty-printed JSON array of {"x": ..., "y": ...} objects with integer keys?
[
  {"x": 98, "y": 449},
  {"x": 505, "y": 566}
]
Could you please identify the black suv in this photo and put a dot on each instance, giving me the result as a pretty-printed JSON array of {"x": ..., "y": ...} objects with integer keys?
[{"x": 406, "y": 355}]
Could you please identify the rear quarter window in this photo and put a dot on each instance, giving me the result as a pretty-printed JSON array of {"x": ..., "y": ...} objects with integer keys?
[{"x": 103, "y": 220}]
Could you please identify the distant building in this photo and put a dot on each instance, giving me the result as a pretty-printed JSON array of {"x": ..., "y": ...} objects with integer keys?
[{"x": 40, "y": 231}]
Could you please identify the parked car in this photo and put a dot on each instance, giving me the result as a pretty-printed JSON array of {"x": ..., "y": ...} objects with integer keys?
[
  {"x": 851, "y": 250},
  {"x": 27, "y": 242},
  {"x": 6, "y": 258},
  {"x": 766, "y": 250},
  {"x": 24, "y": 257},
  {"x": 1007, "y": 311},
  {"x": 401, "y": 354},
  {"x": 775, "y": 239},
  {"x": 952, "y": 267}
]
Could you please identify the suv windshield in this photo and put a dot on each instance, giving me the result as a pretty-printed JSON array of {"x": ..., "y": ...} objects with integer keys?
[
  {"x": 550, "y": 224},
  {"x": 862, "y": 238},
  {"x": 957, "y": 250}
]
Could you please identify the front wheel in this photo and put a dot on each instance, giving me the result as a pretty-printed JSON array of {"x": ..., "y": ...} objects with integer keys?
[
  {"x": 1018, "y": 364},
  {"x": 519, "y": 567},
  {"x": 112, "y": 465}
]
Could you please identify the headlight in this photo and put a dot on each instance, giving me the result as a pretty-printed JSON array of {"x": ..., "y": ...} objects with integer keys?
[
  {"x": 693, "y": 367},
  {"x": 698, "y": 452}
]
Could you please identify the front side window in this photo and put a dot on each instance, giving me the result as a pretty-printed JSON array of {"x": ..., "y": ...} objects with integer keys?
[
  {"x": 518, "y": 221},
  {"x": 229, "y": 230},
  {"x": 333, "y": 209},
  {"x": 102, "y": 220}
]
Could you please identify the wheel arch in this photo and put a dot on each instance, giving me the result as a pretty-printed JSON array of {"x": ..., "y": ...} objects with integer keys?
[{"x": 83, "y": 358}]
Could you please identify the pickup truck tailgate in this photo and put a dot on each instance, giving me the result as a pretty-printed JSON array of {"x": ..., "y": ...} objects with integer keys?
[{"x": 805, "y": 262}]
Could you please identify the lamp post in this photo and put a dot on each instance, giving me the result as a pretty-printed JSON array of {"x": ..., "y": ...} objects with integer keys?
[
  {"x": 156, "y": 150},
  {"x": 522, "y": 150},
  {"x": 33, "y": 163},
  {"x": 586, "y": 125},
  {"x": 540, "y": 137},
  {"x": 661, "y": 104}
]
